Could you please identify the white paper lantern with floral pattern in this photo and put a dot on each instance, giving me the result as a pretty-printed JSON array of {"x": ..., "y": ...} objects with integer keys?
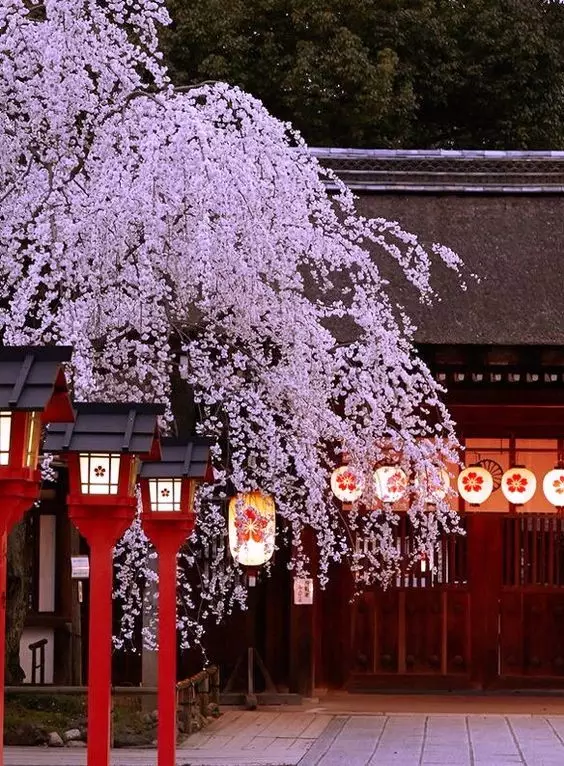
[
  {"x": 346, "y": 484},
  {"x": 518, "y": 485},
  {"x": 475, "y": 484},
  {"x": 553, "y": 487},
  {"x": 252, "y": 528},
  {"x": 390, "y": 483}
]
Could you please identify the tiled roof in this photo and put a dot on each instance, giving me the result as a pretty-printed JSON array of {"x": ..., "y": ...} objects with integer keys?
[
  {"x": 30, "y": 376},
  {"x": 191, "y": 459},
  {"x": 446, "y": 170},
  {"x": 502, "y": 212},
  {"x": 106, "y": 428}
]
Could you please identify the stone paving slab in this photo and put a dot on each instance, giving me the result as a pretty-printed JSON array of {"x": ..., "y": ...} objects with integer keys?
[{"x": 307, "y": 738}]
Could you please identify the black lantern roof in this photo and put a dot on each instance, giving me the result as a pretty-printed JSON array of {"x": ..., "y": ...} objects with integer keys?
[
  {"x": 101, "y": 427},
  {"x": 179, "y": 459},
  {"x": 32, "y": 379}
]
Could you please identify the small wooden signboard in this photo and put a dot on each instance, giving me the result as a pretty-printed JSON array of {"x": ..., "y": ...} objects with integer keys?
[{"x": 303, "y": 590}]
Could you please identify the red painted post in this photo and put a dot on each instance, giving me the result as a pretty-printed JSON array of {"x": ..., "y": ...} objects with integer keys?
[
  {"x": 167, "y": 653},
  {"x": 167, "y": 536},
  {"x": 3, "y": 586},
  {"x": 100, "y": 652},
  {"x": 101, "y": 527},
  {"x": 15, "y": 499}
]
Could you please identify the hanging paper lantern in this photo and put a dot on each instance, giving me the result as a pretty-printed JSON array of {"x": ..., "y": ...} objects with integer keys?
[
  {"x": 475, "y": 484},
  {"x": 435, "y": 485},
  {"x": 252, "y": 528},
  {"x": 346, "y": 484},
  {"x": 518, "y": 485},
  {"x": 390, "y": 483},
  {"x": 553, "y": 487}
]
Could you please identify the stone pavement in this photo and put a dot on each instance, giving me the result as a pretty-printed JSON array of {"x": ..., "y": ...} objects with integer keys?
[{"x": 355, "y": 730}]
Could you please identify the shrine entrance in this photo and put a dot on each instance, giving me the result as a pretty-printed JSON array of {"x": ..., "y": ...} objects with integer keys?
[{"x": 487, "y": 613}]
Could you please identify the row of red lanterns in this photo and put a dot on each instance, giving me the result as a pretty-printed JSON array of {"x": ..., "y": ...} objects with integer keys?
[{"x": 475, "y": 484}]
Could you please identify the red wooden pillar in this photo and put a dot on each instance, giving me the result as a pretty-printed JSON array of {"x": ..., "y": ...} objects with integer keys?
[
  {"x": 484, "y": 580},
  {"x": 167, "y": 535},
  {"x": 15, "y": 499},
  {"x": 100, "y": 652},
  {"x": 102, "y": 528},
  {"x": 167, "y": 653},
  {"x": 3, "y": 586}
]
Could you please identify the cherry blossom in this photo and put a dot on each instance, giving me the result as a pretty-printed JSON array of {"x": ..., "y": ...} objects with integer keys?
[{"x": 170, "y": 234}]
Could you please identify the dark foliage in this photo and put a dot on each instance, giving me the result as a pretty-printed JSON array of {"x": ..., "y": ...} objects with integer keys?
[{"x": 386, "y": 73}]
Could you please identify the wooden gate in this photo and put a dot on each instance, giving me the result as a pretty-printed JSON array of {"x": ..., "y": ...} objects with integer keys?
[
  {"x": 415, "y": 633},
  {"x": 490, "y": 613},
  {"x": 531, "y": 635}
]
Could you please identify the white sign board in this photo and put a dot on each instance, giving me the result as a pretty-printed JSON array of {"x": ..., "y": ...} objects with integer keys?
[
  {"x": 303, "y": 590},
  {"x": 80, "y": 567}
]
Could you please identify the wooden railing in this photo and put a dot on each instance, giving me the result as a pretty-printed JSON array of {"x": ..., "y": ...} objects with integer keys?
[{"x": 194, "y": 696}]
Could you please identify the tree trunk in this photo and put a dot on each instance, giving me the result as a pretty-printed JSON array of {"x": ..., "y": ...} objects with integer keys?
[{"x": 19, "y": 561}]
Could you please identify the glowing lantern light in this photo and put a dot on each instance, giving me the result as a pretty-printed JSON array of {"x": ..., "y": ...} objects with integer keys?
[
  {"x": 346, "y": 484},
  {"x": 475, "y": 484},
  {"x": 252, "y": 528},
  {"x": 518, "y": 485},
  {"x": 553, "y": 487},
  {"x": 390, "y": 483},
  {"x": 435, "y": 486}
]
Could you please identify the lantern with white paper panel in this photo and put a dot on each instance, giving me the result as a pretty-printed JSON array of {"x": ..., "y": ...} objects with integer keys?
[
  {"x": 347, "y": 484},
  {"x": 168, "y": 485},
  {"x": 32, "y": 391},
  {"x": 553, "y": 487},
  {"x": 5, "y": 436},
  {"x": 102, "y": 449},
  {"x": 518, "y": 485},
  {"x": 475, "y": 484},
  {"x": 99, "y": 473},
  {"x": 390, "y": 483},
  {"x": 20, "y": 432},
  {"x": 252, "y": 528}
]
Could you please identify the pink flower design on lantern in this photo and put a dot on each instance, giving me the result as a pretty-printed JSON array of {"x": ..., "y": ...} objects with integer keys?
[
  {"x": 517, "y": 482},
  {"x": 250, "y": 525},
  {"x": 99, "y": 471},
  {"x": 473, "y": 482},
  {"x": 558, "y": 484},
  {"x": 396, "y": 483},
  {"x": 346, "y": 481}
]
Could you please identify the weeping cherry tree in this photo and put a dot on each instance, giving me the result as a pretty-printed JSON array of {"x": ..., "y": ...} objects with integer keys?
[{"x": 186, "y": 233}]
